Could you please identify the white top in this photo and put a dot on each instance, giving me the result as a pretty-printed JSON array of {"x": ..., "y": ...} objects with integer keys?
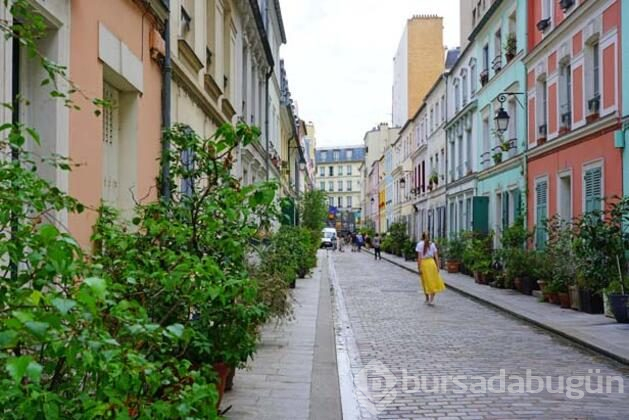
[{"x": 430, "y": 253}]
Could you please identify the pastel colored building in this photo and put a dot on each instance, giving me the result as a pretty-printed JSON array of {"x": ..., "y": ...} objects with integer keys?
[
  {"x": 623, "y": 139},
  {"x": 112, "y": 50},
  {"x": 574, "y": 104},
  {"x": 499, "y": 41}
]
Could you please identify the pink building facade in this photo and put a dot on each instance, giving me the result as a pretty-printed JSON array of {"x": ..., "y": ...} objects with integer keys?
[{"x": 573, "y": 87}]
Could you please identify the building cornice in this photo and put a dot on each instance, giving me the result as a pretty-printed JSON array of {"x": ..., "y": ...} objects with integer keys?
[
  {"x": 501, "y": 167},
  {"x": 471, "y": 106}
]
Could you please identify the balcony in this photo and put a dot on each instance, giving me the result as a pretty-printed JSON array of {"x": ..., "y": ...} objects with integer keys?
[
  {"x": 566, "y": 121},
  {"x": 484, "y": 160},
  {"x": 484, "y": 77}
]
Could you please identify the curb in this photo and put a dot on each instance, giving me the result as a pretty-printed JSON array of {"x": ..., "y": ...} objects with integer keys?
[{"x": 551, "y": 329}]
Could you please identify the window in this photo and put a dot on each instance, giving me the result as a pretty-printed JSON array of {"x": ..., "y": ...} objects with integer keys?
[
  {"x": 111, "y": 145},
  {"x": 186, "y": 31},
  {"x": 546, "y": 9},
  {"x": 339, "y": 201},
  {"x": 464, "y": 86},
  {"x": 593, "y": 189},
  {"x": 542, "y": 108},
  {"x": 349, "y": 185},
  {"x": 541, "y": 212},
  {"x": 564, "y": 197},
  {"x": 330, "y": 170},
  {"x": 486, "y": 57},
  {"x": 349, "y": 170},
  {"x": 348, "y": 154},
  {"x": 322, "y": 171},
  {"x": 443, "y": 108},
  {"x": 566, "y": 95},
  {"x": 331, "y": 201},
  {"x": 469, "y": 161},
  {"x": 339, "y": 186},
  {"x": 595, "y": 70},
  {"x": 337, "y": 155},
  {"x": 457, "y": 95},
  {"x": 339, "y": 171},
  {"x": 322, "y": 186},
  {"x": 504, "y": 202},
  {"x": 486, "y": 142},
  {"x": 348, "y": 201},
  {"x": 330, "y": 186},
  {"x": 473, "y": 76},
  {"x": 324, "y": 156}
]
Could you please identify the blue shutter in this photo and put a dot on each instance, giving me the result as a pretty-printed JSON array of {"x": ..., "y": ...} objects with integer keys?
[
  {"x": 593, "y": 189},
  {"x": 541, "y": 199}
]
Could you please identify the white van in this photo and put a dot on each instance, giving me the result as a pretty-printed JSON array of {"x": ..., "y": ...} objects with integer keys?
[{"x": 326, "y": 237}]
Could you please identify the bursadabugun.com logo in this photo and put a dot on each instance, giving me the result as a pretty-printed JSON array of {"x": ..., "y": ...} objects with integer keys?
[{"x": 378, "y": 387}]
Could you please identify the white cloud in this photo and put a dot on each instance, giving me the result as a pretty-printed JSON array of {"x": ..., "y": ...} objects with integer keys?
[{"x": 339, "y": 59}]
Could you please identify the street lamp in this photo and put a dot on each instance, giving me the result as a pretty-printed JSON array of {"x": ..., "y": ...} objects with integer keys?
[{"x": 502, "y": 120}]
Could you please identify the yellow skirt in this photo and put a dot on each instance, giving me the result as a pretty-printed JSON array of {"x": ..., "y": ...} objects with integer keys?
[{"x": 430, "y": 278}]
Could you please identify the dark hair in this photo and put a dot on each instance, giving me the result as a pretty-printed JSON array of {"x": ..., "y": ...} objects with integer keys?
[{"x": 426, "y": 240}]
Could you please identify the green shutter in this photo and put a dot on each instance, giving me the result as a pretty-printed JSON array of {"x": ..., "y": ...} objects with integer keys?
[
  {"x": 593, "y": 189},
  {"x": 517, "y": 204},
  {"x": 505, "y": 210},
  {"x": 480, "y": 215},
  {"x": 541, "y": 199}
]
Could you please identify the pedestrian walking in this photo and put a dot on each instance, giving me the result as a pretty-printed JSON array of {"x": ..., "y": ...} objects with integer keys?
[
  {"x": 359, "y": 241},
  {"x": 428, "y": 263},
  {"x": 376, "y": 247}
]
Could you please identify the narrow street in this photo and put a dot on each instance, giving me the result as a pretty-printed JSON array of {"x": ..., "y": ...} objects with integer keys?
[{"x": 392, "y": 333}]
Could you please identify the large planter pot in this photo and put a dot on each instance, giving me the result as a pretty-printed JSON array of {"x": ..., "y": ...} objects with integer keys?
[
  {"x": 575, "y": 302},
  {"x": 526, "y": 285},
  {"x": 222, "y": 370},
  {"x": 303, "y": 272},
  {"x": 564, "y": 300},
  {"x": 453, "y": 266},
  {"x": 542, "y": 287},
  {"x": 591, "y": 303},
  {"x": 517, "y": 284},
  {"x": 619, "y": 305},
  {"x": 607, "y": 309},
  {"x": 553, "y": 298}
]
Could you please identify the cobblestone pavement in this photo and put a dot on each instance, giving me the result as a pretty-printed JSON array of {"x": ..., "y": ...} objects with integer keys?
[{"x": 393, "y": 330}]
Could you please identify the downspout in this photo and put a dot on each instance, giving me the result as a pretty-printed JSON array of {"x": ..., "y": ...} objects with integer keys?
[
  {"x": 15, "y": 153},
  {"x": 266, "y": 122},
  {"x": 166, "y": 111},
  {"x": 446, "y": 216}
]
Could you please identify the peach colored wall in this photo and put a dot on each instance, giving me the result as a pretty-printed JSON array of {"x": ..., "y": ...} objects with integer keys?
[
  {"x": 577, "y": 93},
  {"x": 609, "y": 76},
  {"x": 611, "y": 17},
  {"x": 577, "y": 43},
  {"x": 559, "y": 15},
  {"x": 124, "y": 19},
  {"x": 574, "y": 157},
  {"x": 552, "y": 62},
  {"x": 552, "y": 106}
]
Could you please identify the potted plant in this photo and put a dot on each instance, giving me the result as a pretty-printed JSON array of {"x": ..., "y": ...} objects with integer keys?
[
  {"x": 510, "y": 47},
  {"x": 434, "y": 178},
  {"x": 617, "y": 291},
  {"x": 456, "y": 247},
  {"x": 409, "y": 250},
  {"x": 497, "y": 157},
  {"x": 560, "y": 256}
]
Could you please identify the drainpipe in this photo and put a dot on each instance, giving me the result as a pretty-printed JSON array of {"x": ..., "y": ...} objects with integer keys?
[
  {"x": 166, "y": 111},
  {"x": 15, "y": 153},
  {"x": 446, "y": 216},
  {"x": 266, "y": 122}
]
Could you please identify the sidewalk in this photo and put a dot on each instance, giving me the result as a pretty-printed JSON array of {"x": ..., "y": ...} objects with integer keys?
[
  {"x": 293, "y": 374},
  {"x": 596, "y": 332}
]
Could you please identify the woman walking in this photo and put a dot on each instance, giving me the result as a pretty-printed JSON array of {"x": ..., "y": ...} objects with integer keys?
[{"x": 428, "y": 263}]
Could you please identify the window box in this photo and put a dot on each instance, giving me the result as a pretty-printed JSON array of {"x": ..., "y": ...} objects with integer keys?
[
  {"x": 543, "y": 24},
  {"x": 566, "y": 123},
  {"x": 594, "y": 106},
  {"x": 541, "y": 134},
  {"x": 566, "y": 4},
  {"x": 496, "y": 64},
  {"x": 484, "y": 77}
]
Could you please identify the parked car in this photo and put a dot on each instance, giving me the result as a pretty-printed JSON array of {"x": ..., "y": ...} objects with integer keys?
[{"x": 326, "y": 237}]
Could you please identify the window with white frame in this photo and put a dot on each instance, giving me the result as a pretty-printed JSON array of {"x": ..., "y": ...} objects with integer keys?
[
  {"x": 322, "y": 171},
  {"x": 349, "y": 154},
  {"x": 339, "y": 170},
  {"x": 443, "y": 108},
  {"x": 592, "y": 76},
  {"x": 564, "y": 196},
  {"x": 339, "y": 202},
  {"x": 322, "y": 186},
  {"x": 464, "y": 86},
  {"x": 565, "y": 92},
  {"x": 349, "y": 185},
  {"x": 473, "y": 78},
  {"x": 330, "y": 170},
  {"x": 324, "y": 156},
  {"x": 349, "y": 170},
  {"x": 339, "y": 186},
  {"x": 547, "y": 9},
  {"x": 337, "y": 155},
  {"x": 457, "y": 95},
  {"x": 542, "y": 107},
  {"x": 111, "y": 145},
  {"x": 331, "y": 201},
  {"x": 330, "y": 186},
  {"x": 348, "y": 201}
]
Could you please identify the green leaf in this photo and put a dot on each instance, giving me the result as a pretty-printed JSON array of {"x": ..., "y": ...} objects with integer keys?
[
  {"x": 35, "y": 297},
  {"x": 33, "y": 371},
  {"x": 48, "y": 232},
  {"x": 34, "y": 134},
  {"x": 63, "y": 305},
  {"x": 176, "y": 330},
  {"x": 98, "y": 286},
  {"x": 17, "y": 367},
  {"x": 7, "y": 338},
  {"x": 38, "y": 329}
]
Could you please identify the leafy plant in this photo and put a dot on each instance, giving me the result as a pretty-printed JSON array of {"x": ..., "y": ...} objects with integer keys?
[
  {"x": 455, "y": 247},
  {"x": 511, "y": 44}
]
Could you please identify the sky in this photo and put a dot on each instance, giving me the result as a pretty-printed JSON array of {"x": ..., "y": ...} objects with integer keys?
[{"x": 339, "y": 59}]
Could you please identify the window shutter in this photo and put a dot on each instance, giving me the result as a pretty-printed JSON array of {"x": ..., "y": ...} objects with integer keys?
[
  {"x": 593, "y": 189},
  {"x": 505, "y": 210},
  {"x": 111, "y": 136},
  {"x": 541, "y": 192},
  {"x": 517, "y": 204}
]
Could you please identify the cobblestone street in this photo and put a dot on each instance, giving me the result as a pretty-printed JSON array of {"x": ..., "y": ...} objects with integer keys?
[{"x": 390, "y": 324}]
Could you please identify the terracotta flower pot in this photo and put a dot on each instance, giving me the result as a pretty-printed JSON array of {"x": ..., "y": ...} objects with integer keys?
[
  {"x": 553, "y": 298},
  {"x": 564, "y": 300},
  {"x": 452, "y": 266}
]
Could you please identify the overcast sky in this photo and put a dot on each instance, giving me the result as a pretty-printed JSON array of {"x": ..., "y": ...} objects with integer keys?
[{"x": 339, "y": 59}]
